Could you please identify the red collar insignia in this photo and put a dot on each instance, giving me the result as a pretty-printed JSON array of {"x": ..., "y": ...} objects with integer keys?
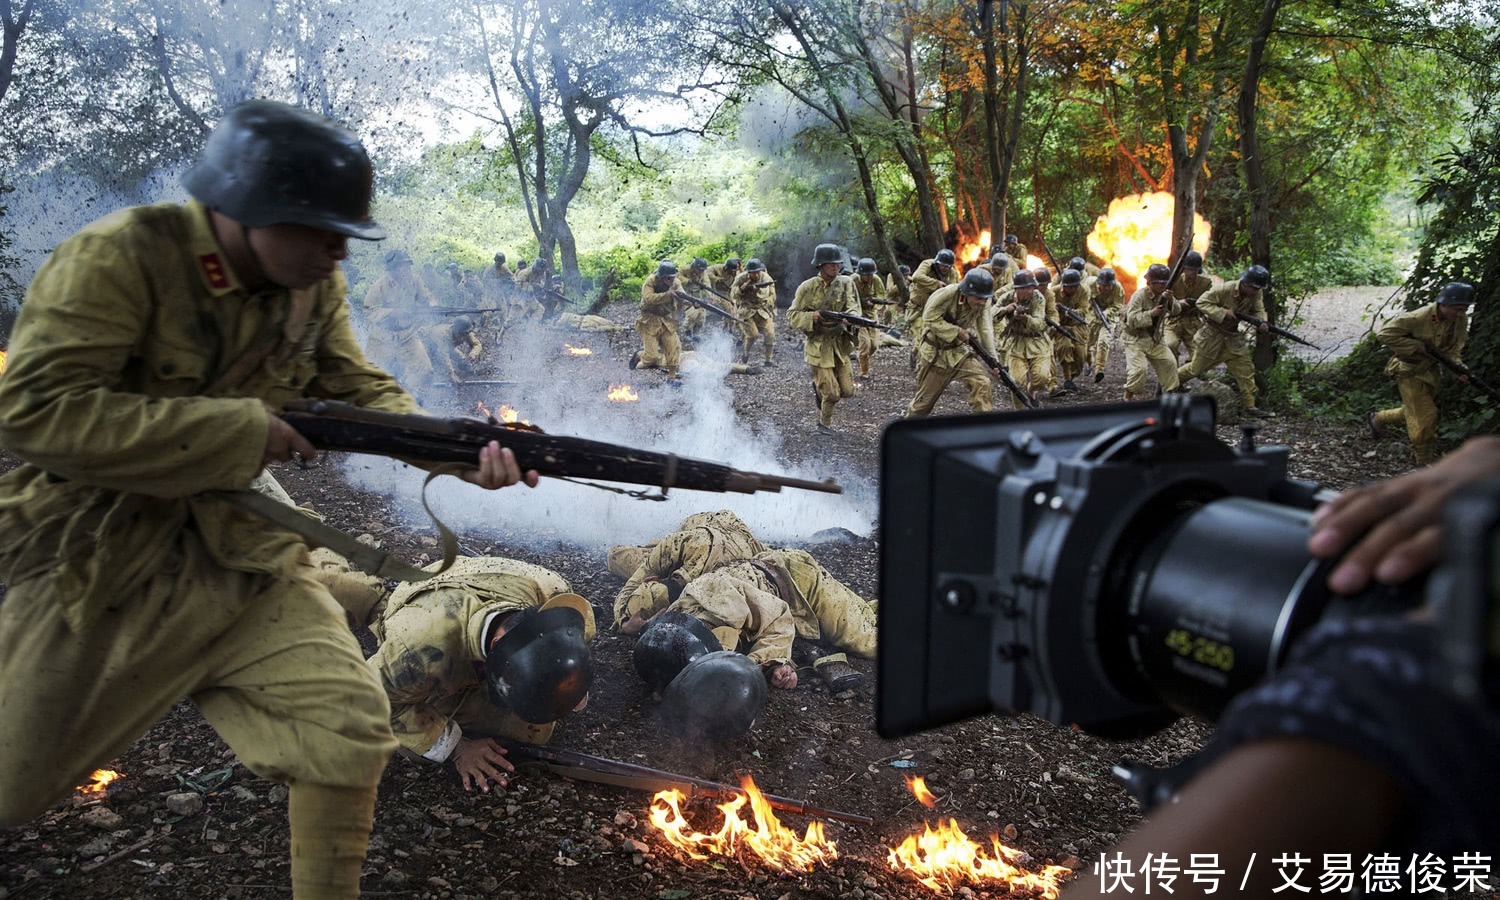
[{"x": 213, "y": 270}]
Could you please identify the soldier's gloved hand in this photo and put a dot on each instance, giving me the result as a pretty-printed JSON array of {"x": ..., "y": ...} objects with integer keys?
[
  {"x": 480, "y": 761},
  {"x": 782, "y": 676},
  {"x": 497, "y": 469},
  {"x": 282, "y": 440},
  {"x": 1397, "y": 523}
]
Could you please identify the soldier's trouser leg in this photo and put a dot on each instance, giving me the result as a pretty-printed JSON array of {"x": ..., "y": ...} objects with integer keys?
[
  {"x": 1209, "y": 352},
  {"x": 361, "y": 596},
  {"x": 1141, "y": 356},
  {"x": 748, "y": 333},
  {"x": 768, "y": 335},
  {"x": 1243, "y": 371},
  {"x": 270, "y": 662},
  {"x": 1032, "y": 373},
  {"x": 692, "y": 321},
  {"x": 867, "y": 344},
  {"x": 650, "y": 345},
  {"x": 625, "y": 559},
  {"x": 931, "y": 381},
  {"x": 1419, "y": 403},
  {"x": 972, "y": 374},
  {"x": 1051, "y": 383},
  {"x": 844, "y": 619},
  {"x": 833, "y": 383},
  {"x": 330, "y": 833},
  {"x": 671, "y": 350},
  {"x": 1101, "y": 349}
]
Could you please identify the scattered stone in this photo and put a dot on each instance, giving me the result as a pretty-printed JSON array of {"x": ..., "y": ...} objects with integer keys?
[
  {"x": 185, "y": 804},
  {"x": 869, "y": 882},
  {"x": 439, "y": 882},
  {"x": 964, "y": 893},
  {"x": 1071, "y": 862},
  {"x": 240, "y": 792},
  {"x": 1009, "y": 833},
  {"x": 277, "y": 794},
  {"x": 102, "y": 818},
  {"x": 965, "y": 774},
  {"x": 99, "y": 846},
  {"x": 631, "y": 845}
]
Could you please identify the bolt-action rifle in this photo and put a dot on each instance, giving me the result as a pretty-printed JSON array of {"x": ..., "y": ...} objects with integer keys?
[
  {"x": 600, "y": 770},
  {"x": 333, "y": 425},
  {"x": 1058, "y": 327},
  {"x": 1458, "y": 368},
  {"x": 1274, "y": 329},
  {"x": 1099, "y": 311},
  {"x": 849, "y": 319},
  {"x": 706, "y": 305},
  {"x": 993, "y": 365},
  {"x": 1177, "y": 266},
  {"x": 1072, "y": 313}
]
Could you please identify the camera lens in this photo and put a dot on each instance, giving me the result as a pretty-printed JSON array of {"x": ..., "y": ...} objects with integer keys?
[{"x": 1212, "y": 599}]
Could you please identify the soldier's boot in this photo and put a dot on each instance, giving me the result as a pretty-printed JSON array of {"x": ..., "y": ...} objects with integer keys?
[
  {"x": 635, "y": 359},
  {"x": 832, "y": 668},
  {"x": 770, "y": 362}
]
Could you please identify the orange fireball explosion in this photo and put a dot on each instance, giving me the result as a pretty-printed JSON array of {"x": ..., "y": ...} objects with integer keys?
[
  {"x": 768, "y": 840},
  {"x": 918, "y": 787},
  {"x": 1137, "y": 231},
  {"x": 505, "y": 413},
  {"x": 944, "y": 859},
  {"x": 2, "y": 362},
  {"x": 971, "y": 253},
  {"x": 578, "y": 351},
  {"x": 623, "y": 393},
  {"x": 97, "y": 783}
]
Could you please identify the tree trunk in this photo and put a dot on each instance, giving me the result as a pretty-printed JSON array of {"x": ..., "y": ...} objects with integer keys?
[
  {"x": 1255, "y": 177},
  {"x": 14, "y": 27}
]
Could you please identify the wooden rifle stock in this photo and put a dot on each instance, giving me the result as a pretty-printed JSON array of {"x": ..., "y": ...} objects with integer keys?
[
  {"x": 1459, "y": 368},
  {"x": 849, "y": 319},
  {"x": 333, "y": 425},
  {"x": 705, "y": 305}
]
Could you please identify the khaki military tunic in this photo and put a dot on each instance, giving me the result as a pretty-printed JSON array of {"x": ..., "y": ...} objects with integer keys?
[
  {"x": 721, "y": 278},
  {"x": 694, "y": 284},
  {"x": 867, "y": 288},
  {"x": 1144, "y": 347},
  {"x": 755, "y": 308},
  {"x": 657, "y": 325},
  {"x": 1416, "y": 373},
  {"x": 1182, "y": 328},
  {"x": 701, "y": 544},
  {"x": 1220, "y": 340},
  {"x": 941, "y": 357},
  {"x": 1112, "y": 301},
  {"x": 1071, "y": 352},
  {"x": 432, "y": 649},
  {"x": 140, "y": 376},
  {"x": 828, "y": 344},
  {"x": 394, "y": 316},
  {"x": 929, "y": 278},
  {"x": 1023, "y": 337}
]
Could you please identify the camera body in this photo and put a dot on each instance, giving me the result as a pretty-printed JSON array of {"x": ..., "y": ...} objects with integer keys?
[{"x": 1111, "y": 566}]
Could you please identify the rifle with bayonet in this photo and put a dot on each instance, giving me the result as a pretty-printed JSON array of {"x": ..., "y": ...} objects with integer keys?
[
  {"x": 1458, "y": 368},
  {"x": 601, "y": 770},
  {"x": 334, "y": 425},
  {"x": 1177, "y": 268},
  {"x": 1274, "y": 329},
  {"x": 706, "y": 305},
  {"x": 849, "y": 318},
  {"x": 993, "y": 365},
  {"x": 1048, "y": 250}
]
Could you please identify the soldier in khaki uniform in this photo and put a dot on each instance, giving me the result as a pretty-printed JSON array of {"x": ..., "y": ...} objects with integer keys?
[
  {"x": 1083, "y": 266},
  {"x": 702, "y": 543},
  {"x": 1021, "y": 334},
  {"x": 867, "y": 287},
  {"x": 455, "y": 346},
  {"x": 176, "y": 332},
  {"x": 888, "y": 312},
  {"x": 491, "y": 648},
  {"x": 1145, "y": 316},
  {"x": 931, "y": 276},
  {"x": 1220, "y": 340},
  {"x": 754, "y": 297},
  {"x": 657, "y": 323},
  {"x": 1443, "y": 324},
  {"x": 1072, "y": 352},
  {"x": 695, "y": 284},
  {"x": 1189, "y": 286},
  {"x": 952, "y": 315},
  {"x": 528, "y": 288},
  {"x": 394, "y": 315},
  {"x": 1017, "y": 251},
  {"x": 828, "y": 342},
  {"x": 1111, "y": 296},
  {"x": 721, "y": 276},
  {"x": 1000, "y": 268}
]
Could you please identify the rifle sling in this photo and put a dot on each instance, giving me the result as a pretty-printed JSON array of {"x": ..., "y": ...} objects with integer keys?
[
  {"x": 781, "y": 579},
  {"x": 370, "y": 559}
]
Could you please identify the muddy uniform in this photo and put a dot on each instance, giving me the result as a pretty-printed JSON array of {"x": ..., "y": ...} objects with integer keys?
[
  {"x": 1221, "y": 341},
  {"x": 1072, "y": 353},
  {"x": 1112, "y": 301},
  {"x": 393, "y": 314},
  {"x": 828, "y": 343},
  {"x": 929, "y": 278},
  {"x": 721, "y": 278},
  {"x": 131, "y": 583},
  {"x": 701, "y": 544},
  {"x": 892, "y": 293},
  {"x": 942, "y": 358},
  {"x": 526, "y": 292},
  {"x": 432, "y": 648},
  {"x": 1144, "y": 347},
  {"x": 657, "y": 325},
  {"x": 694, "y": 284},
  {"x": 1183, "y": 327},
  {"x": 867, "y": 288},
  {"x": 755, "y": 307},
  {"x": 1416, "y": 373},
  {"x": 1024, "y": 338}
]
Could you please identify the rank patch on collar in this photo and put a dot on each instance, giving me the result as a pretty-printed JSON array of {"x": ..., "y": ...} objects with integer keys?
[{"x": 213, "y": 270}]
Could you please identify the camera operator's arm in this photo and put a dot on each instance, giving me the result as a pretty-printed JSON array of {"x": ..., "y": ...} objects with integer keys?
[{"x": 1400, "y": 519}]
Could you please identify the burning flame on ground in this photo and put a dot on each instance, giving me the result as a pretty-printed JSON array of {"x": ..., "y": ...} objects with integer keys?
[
  {"x": 918, "y": 787},
  {"x": 504, "y": 414},
  {"x": 1137, "y": 231},
  {"x": 767, "y": 839},
  {"x": 623, "y": 393},
  {"x": 944, "y": 858},
  {"x": 97, "y": 783},
  {"x": 2, "y": 362},
  {"x": 578, "y": 351}
]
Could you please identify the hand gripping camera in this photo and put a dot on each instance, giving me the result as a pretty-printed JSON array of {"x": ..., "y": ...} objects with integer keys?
[{"x": 1110, "y": 566}]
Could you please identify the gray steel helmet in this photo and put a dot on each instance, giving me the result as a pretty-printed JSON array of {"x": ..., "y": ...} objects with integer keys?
[
  {"x": 755, "y": 265},
  {"x": 866, "y": 266},
  {"x": 1024, "y": 279},
  {"x": 827, "y": 253},
  {"x": 1077, "y": 263},
  {"x": 1257, "y": 277},
  {"x": 670, "y": 641},
  {"x": 699, "y": 263},
  {"x": 666, "y": 269},
  {"x": 732, "y": 262},
  {"x": 1012, "y": 239},
  {"x": 462, "y": 325},
  {"x": 1192, "y": 260},
  {"x": 945, "y": 257},
  {"x": 268, "y": 163},
  {"x": 395, "y": 259},
  {"x": 1000, "y": 260},
  {"x": 716, "y": 697},
  {"x": 1071, "y": 278},
  {"x": 1156, "y": 273},
  {"x": 978, "y": 283},
  {"x": 1106, "y": 276},
  {"x": 905, "y": 269},
  {"x": 499, "y": 259},
  {"x": 540, "y": 668},
  {"x": 1456, "y": 293},
  {"x": 1043, "y": 275}
]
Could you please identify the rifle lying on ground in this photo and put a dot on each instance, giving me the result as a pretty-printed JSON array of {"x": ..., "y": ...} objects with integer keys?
[
  {"x": 849, "y": 318},
  {"x": 599, "y": 770},
  {"x": 1459, "y": 368},
  {"x": 332, "y": 425},
  {"x": 705, "y": 305},
  {"x": 1274, "y": 329},
  {"x": 993, "y": 365}
]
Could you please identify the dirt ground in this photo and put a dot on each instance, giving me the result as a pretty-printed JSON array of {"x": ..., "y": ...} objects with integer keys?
[{"x": 1046, "y": 789}]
